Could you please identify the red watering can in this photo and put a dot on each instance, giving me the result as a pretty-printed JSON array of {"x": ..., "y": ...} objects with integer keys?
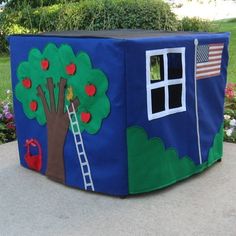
[{"x": 34, "y": 162}]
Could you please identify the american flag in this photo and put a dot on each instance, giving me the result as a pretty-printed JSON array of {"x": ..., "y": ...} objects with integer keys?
[{"x": 209, "y": 59}]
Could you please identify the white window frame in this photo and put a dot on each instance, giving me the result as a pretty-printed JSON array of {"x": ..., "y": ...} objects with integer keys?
[{"x": 165, "y": 83}]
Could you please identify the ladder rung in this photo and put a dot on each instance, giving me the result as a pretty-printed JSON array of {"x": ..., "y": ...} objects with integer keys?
[
  {"x": 76, "y": 133},
  {"x": 79, "y": 143},
  {"x": 84, "y": 163},
  {"x": 74, "y": 130},
  {"x": 89, "y": 184},
  {"x": 71, "y": 113},
  {"x": 86, "y": 174},
  {"x": 82, "y": 153},
  {"x": 68, "y": 110}
]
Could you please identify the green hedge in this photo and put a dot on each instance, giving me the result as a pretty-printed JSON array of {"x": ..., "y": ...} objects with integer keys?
[
  {"x": 103, "y": 14},
  {"x": 196, "y": 24},
  {"x": 41, "y": 19},
  {"x": 19, "y": 4},
  {"x": 114, "y": 14},
  {"x": 9, "y": 24},
  {"x": 96, "y": 15}
]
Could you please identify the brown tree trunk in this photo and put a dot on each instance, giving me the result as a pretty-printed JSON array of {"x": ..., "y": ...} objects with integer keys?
[
  {"x": 56, "y": 138},
  {"x": 57, "y": 127}
]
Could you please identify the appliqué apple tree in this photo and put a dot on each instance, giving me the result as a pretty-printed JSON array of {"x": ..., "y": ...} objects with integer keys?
[{"x": 53, "y": 79}]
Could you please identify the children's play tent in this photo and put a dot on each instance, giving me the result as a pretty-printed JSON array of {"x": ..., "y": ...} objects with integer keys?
[{"x": 119, "y": 112}]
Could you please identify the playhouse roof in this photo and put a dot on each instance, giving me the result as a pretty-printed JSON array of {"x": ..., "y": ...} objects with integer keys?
[{"x": 119, "y": 34}]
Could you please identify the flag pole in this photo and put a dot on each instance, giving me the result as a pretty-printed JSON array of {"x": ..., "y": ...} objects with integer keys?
[{"x": 196, "y": 104}]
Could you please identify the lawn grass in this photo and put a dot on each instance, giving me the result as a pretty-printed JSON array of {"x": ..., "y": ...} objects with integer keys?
[
  {"x": 5, "y": 82},
  {"x": 230, "y": 26},
  {"x": 223, "y": 25}
]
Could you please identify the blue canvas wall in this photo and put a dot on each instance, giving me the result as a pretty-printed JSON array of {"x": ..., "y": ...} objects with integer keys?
[
  {"x": 123, "y": 61},
  {"x": 106, "y": 150},
  {"x": 178, "y": 130}
]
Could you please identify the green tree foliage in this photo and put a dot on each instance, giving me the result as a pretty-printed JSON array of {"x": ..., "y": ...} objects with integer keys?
[
  {"x": 32, "y": 75},
  {"x": 55, "y": 81},
  {"x": 41, "y": 19},
  {"x": 9, "y": 24},
  {"x": 20, "y": 4}
]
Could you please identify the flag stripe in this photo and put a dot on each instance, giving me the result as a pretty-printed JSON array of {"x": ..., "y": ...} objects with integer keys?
[
  {"x": 208, "y": 76},
  {"x": 209, "y": 73},
  {"x": 215, "y": 53},
  {"x": 215, "y": 48},
  {"x": 215, "y": 57},
  {"x": 215, "y": 61},
  {"x": 208, "y": 62},
  {"x": 211, "y": 68},
  {"x": 213, "y": 45}
]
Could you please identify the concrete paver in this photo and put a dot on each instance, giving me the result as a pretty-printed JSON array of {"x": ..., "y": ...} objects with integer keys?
[{"x": 30, "y": 204}]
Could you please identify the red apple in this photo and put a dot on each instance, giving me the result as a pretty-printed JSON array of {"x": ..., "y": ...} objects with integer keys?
[
  {"x": 90, "y": 90},
  {"x": 45, "y": 64},
  {"x": 85, "y": 117},
  {"x": 33, "y": 105},
  {"x": 70, "y": 69},
  {"x": 27, "y": 83}
]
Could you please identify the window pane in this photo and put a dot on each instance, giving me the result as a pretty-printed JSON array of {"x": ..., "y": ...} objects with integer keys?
[
  {"x": 156, "y": 68},
  {"x": 175, "y": 95},
  {"x": 174, "y": 66},
  {"x": 158, "y": 100}
]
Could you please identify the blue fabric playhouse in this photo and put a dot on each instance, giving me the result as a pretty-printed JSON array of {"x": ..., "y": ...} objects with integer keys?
[{"x": 119, "y": 112}]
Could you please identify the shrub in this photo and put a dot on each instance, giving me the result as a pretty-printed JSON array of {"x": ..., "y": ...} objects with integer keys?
[
  {"x": 3, "y": 44},
  {"x": 86, "y": 15},
  {"x": 117, "y": 14},
  {"x": 7, "y": 124},
  {"x": 196, "y": 24},
  {"x": 41, "y": 19},
  {"x": 93, "y": 15},
  {"x": 19, "y": 4},
  {"x": 230, "y": 113},
  {"x": 103, "y": 14},
  {"x": 9, "y": 24}
]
